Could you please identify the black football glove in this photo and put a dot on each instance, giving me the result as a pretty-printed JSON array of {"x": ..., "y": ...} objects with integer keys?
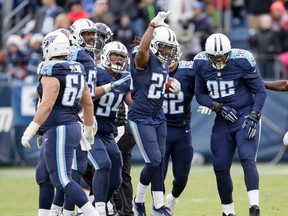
[
  {"x": 227, "y": 112},
  {"x": 251, "y": 124}
]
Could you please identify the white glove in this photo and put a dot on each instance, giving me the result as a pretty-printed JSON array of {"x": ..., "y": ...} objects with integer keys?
[
  {"x": 204, "y": 110},
  {"x": 175, "y": 86},
  {"x": 95, "y": 126},
  {"x": 111, "y": 86},
  {"x": 285, "y": 139},
  {"x": 159, "y": 19},
  {"x": 29, "y": 133},
  {"x": 88, "y": 133}
]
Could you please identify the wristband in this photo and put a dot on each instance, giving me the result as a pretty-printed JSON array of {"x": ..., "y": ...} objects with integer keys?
[
  {"x": 152, "y": 25},
  {"x": 107, "y": 87}
]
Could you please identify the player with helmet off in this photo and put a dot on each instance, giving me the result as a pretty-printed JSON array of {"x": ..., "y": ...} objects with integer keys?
[
  {"x": 61, "y": 89},
  {"x": 228, "y": 82},
  {"x": 150, "y": 61}
]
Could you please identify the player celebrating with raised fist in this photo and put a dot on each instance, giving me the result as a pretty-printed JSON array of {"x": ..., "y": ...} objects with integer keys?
[
  {"x": 228, "y": 82},
  {"x": 149, "y": 72}
]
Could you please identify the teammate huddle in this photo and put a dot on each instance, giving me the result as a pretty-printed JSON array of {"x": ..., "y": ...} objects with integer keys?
[{"x": 70, "y": 82}]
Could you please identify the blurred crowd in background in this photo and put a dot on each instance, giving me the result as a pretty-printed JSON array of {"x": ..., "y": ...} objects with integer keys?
[{"x": 264, "y": 21}]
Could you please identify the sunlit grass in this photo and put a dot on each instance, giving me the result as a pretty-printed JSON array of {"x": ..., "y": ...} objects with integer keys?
[{"x": 19, "y": 192}]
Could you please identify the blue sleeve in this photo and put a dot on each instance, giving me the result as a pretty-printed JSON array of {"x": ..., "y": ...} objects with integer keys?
[
  {"x": 254, "y": 81},
  {"x": 201, "y": 91},
  {"x": 257, "y": 87}
]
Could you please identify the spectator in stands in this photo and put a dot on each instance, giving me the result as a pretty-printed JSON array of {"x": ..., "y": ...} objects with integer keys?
[
  {"x": 16, "y": 58},
  {"x": 199, "y": 28},
  {"x": 279, "y": 16},
  {"x": 35, "y": 55},
  {"x": 77, "y": 11},
  {"x": 237, "y": 7},
  {"x": 62, "y": 21},
  {"x": 141, "y": 13},
  {"x": 45, "y": 18},
  {"x": 213, "y": 14},
  {"x": 101, "y": 13},
  {"x": 88, "y": 5},
  {"x": 266, "y": 42},
  {"x": 118, "y": 7},
  {"x": 255, "y": 9},
  {"x": 124, "y": 32}
]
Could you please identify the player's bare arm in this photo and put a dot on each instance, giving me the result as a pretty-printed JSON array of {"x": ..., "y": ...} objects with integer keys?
[
  {"x": 51, "y": 87},
  {"x": 281, "y": 85}
]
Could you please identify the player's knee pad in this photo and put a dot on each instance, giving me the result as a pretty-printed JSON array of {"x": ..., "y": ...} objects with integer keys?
[
  {"x": 222, "y": 174},
  {"x": 117, "y": 160},
  {"x": 248, "y": 164},
  {"x": 153, "y": 166},
  {"x": 104, "y": 165},
  {"x": 115, "y": 183},
  {"x": 180, "y": 182},
  {"x": 82, "y": 168},
  {"x": 42, "y": 176},
  {"x": 220, "y": 164},
  {"x": 187, "y": 153}
]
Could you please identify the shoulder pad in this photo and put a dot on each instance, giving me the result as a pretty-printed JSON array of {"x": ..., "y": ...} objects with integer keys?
[
  {"x": 185, "y": 64},
  {"x": 201, "y": 56},
  {"x": 244, "y": 55}
]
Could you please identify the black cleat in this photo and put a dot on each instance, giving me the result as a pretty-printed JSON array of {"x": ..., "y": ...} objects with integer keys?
[
  {"x": 138, "y": 208},
  {"x": 254, "y": 210},
  {"x": 228, "y": 214}
]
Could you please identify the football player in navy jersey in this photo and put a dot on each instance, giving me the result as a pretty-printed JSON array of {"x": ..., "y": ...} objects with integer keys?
[
  {"x": 83, "y": 44},
  {"x": 61, "y": 89},
  {"x": 177, "y": 109},
  {"x": 113, "y": 87},
  {"x": 228, "y": 82},
  {"x": 149, "y": 72}
]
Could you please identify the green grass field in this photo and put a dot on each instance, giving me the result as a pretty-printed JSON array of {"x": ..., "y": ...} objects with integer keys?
[{"x": 19, "y": 192}]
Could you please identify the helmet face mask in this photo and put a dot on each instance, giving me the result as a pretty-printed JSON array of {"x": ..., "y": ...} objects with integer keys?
[
  {"x": 176, "y": 58},
  {"x": 83, "y": 33},
  {"x": 218, "y": 50},
  {"x": 165, "y": 51},
  {"x": 115, "y": 56},
  {"x": 103, "y": 35},
  {"x": 55, "y": 44},
  {"x": 164, "y": 44}
]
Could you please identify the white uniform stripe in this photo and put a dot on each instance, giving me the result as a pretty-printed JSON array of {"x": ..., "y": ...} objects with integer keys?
[
  {"x": 259, "y": 126},
  {"x": 74, "y": 162},
  {"x": 60, "y": 156},
  {"x": 135, "y": 132},
  {"x": 120, "y": 133}
]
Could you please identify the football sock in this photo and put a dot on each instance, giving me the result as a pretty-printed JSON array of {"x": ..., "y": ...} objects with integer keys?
[
  {"x": 158, "y": 199},
  {"x": 228, "y": 209},
  {"x": 253, "y": 197},
  {"x": 141, "y": 193},
  {"x": 43, "y": 212}
]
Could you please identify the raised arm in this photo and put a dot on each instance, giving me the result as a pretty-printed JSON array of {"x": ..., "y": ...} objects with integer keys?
[{"x": 142, "y": 56}]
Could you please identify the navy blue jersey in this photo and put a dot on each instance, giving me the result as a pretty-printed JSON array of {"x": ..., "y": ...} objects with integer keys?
[
  {"x": 107, "y": 106},
  {"x": 148, "y": 89},
  {"x": 239, "y": 85},
  {"x": 81, "y": 55},
  {"x": 177, "y": 108},
  {"x": 72, "y": 83}
]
